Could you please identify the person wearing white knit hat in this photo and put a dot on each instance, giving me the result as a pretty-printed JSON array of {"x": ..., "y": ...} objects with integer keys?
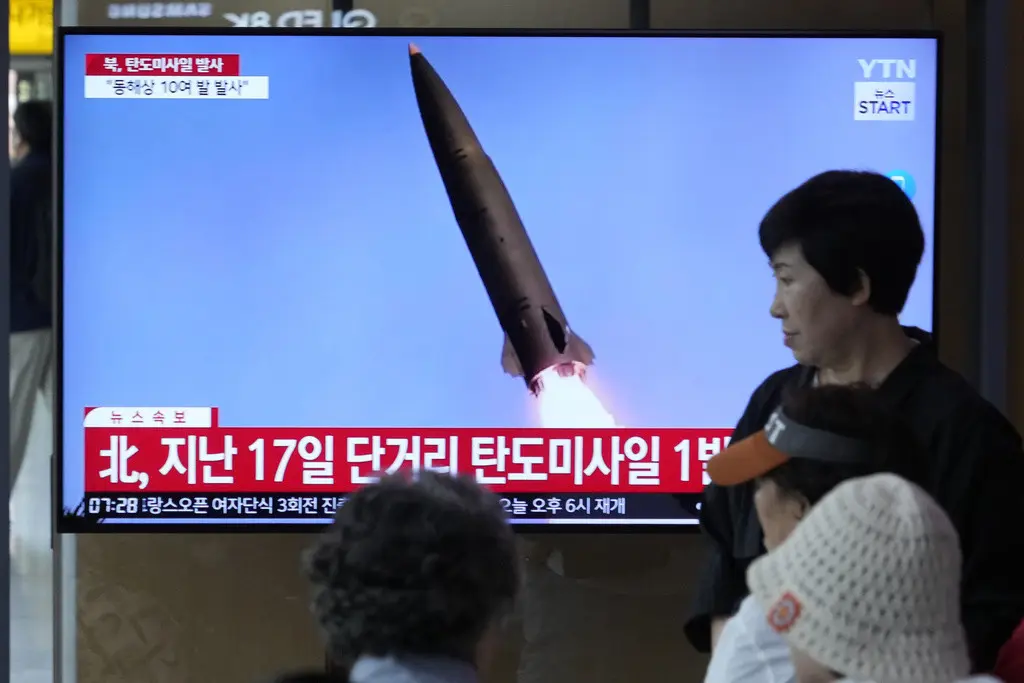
[
  {"x": 867, "y": 587},
  {"x": 817, "y": 439}
]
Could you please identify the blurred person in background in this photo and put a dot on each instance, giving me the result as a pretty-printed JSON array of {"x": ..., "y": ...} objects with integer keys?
[
  {"x": 819, "y": 438},
  {"x": 413, "y": 579},
  {"x": 31, "y": 347},
  {"x": 867, "y": 588},
  {"x": 844, "y": 248}
]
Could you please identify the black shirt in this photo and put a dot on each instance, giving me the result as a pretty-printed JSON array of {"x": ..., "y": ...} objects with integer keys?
[{"x": 976, "y": 472}]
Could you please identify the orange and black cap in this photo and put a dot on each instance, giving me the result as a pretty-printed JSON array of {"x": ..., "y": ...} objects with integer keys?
[{"x": 783, "y": 439}]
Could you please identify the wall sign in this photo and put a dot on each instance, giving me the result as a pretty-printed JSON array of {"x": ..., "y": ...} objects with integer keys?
[
  {"x": 219, "y": 13},
  {"x": 31, "y": 27},
  {"x": 596, "y": 14}
]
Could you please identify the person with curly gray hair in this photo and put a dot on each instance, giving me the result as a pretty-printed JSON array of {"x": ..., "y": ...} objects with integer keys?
[{"x": 412, "y": 579}]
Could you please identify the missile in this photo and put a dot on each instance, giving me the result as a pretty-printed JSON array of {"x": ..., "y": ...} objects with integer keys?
[{"x": 537, "y": 335}]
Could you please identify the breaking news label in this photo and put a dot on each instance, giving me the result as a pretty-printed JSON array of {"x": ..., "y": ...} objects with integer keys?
[
  {"x": 145, "y": 462},
  {"x": 171, "y": 76}
]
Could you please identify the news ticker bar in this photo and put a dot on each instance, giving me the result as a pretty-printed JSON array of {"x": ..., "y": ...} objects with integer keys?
[
  {"x": 252, "y": 460},
  {"x": 302, "y": 507}
]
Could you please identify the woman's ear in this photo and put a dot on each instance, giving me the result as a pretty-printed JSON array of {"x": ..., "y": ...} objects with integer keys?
[{"x": 863, "y": 293}]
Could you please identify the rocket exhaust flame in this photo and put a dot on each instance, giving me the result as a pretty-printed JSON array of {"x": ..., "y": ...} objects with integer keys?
[{"x": 564, "y": 401}]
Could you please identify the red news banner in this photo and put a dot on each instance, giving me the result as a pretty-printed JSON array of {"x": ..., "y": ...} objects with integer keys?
[
  {"x": 184, "y": 450},
  {"x": 162, "y": 65}
]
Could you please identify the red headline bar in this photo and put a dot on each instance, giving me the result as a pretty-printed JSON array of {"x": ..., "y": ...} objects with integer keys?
[
  {"x": 301, "y": 460},
  {"x": 161, "y": 65}
]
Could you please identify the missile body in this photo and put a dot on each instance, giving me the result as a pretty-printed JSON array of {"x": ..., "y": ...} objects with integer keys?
[{"x": 537, "y": 335}]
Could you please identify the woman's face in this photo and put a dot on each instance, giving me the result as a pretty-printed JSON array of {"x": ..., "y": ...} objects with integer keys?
[
  {"x": 778, "y": 513},
  {"x": 490, "y": 645},
  {"x": 809, "y": 671}
]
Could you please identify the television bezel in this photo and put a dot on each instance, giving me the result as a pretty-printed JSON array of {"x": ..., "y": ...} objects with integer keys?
[{"x": 66, "y": 524}]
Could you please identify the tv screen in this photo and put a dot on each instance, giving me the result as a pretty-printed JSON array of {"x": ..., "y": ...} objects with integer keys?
[{"x": 293, "y": 261}]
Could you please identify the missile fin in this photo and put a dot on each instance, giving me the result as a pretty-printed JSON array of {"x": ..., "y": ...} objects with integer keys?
[
  {"x": 509, "y": 360},
  {"x": 580, "y": 350}
]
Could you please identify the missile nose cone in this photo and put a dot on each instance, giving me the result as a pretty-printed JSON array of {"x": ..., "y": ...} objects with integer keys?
[
  {"x": 448, "y": 132},
  {"x": 413, "y": 50}
]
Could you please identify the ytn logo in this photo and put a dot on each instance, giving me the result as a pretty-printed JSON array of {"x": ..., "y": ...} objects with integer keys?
[{"x": 888, "y": 68}]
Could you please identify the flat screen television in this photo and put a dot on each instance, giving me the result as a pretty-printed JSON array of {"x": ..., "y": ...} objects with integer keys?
[{"x": 292, "y": 260}]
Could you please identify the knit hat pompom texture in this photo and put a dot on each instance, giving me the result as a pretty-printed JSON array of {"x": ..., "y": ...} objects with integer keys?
[{"x": 868, "y": 585}]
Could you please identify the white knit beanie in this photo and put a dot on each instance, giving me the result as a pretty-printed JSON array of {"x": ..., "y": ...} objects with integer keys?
[{"x": 868, "y": 585}]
